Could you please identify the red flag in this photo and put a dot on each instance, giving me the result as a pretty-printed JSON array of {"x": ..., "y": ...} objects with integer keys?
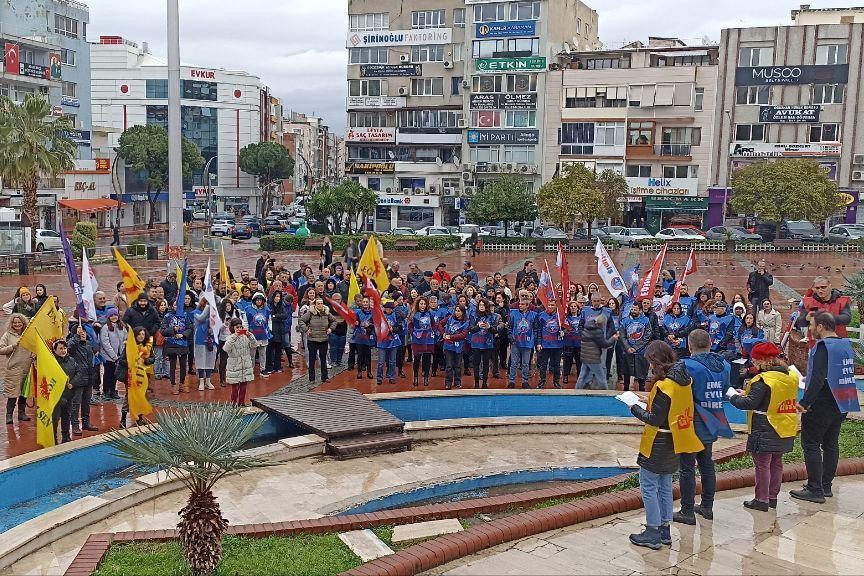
[
  {"x": 13, "y": 58},
  {"x": 346, "y": 313},
  {"x": 545, "y": 291},
  {"x": 561, "y": 262},
  {"x": 382, "y": 327},
  {"x": 690, "y": 268},
  {"x": 646, "y": 287}
]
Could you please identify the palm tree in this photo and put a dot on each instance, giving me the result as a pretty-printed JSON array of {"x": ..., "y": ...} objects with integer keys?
[
  {"x": 33, "y": 146},
  {"x": 198, "y": 445}
]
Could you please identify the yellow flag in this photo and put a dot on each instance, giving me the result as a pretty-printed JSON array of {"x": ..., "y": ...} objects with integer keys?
[
  {"x": 136, "y": 381},
  {"x": 51, "y": 383},
  {"x": 372, "y": 266},
  {"x": 353, "y": 289},
  {"x": 223, "y": 267},
  {"x": 47, "y": 324},
  {"x": 132, "y": 283}
]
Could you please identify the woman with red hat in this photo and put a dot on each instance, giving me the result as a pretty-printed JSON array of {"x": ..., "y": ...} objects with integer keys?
[{"x": 770, "y": 399}]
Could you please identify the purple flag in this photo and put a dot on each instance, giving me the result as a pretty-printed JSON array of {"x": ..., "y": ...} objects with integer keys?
[{"x": 72, "y": 273}]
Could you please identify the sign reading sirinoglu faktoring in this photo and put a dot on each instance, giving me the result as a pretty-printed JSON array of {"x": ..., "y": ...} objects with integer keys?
[
  {"x": 789, "y": 114},
  {"x": 380, "y": 70},
  {"x": 766, "y": 75},
  {"x": 526, "y": 136},
  {"x": 400, "y": 37},
  {"x": 505, "y": 29},
  {"x": 510, "y": 64}
]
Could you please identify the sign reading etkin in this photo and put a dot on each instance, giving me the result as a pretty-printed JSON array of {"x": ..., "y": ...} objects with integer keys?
[{"x": 510, "y": 64}]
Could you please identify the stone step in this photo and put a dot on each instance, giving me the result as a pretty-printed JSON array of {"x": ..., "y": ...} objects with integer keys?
[{"x": 355, "y": 446}]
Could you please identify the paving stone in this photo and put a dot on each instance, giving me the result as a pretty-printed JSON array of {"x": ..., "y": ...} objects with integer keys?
[
  {"x": 408, "y": 532},
  {"x": 365, "y": 544}
]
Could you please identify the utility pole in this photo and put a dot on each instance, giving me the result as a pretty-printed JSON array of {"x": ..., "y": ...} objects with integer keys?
[{"x": 175, "y": 151}]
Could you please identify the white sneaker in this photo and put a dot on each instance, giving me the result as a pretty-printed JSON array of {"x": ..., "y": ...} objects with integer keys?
[
  {"x": 209, "y": 385},
  {"x": 201, "y": 386},
  {"x": 329, "y": 365}
]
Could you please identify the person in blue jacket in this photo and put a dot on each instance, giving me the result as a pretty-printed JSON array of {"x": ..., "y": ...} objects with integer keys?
[
  {"x": 389, "y": 346},
  {"x": 637, "y": 332},
  {"x": 484, "y": 325},
  {"x": 258, "y": 320},
  {"x": 422, "y": 328},
  {"x": 440, "y": 314},
  {"x": 676, "y": 326},
  {"x": 572, "y": 341},
  {"x": 550, "y": 344},
  {"x": 748, "y": 335},
  {"x": 455, "y": 334},
  {"x": 721, "y": 328},
  {"x": 402, "y": 311},
  {"x": 688, "y": 303},
  {"x": 521, "y": 333},
  {"x": 364, "y": 338}
]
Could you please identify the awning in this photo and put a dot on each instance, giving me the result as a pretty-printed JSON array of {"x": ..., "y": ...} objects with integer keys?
[
  {"x": 94, "y": 205},
  {"x": 673, "y": 53}
]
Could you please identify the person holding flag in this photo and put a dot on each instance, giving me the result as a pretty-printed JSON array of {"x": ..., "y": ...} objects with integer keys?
[
  {"x": 15, "y": 368},
  {"x": 550, "y": 343},
  {"x": 372, "y": 266},
  {"x": 74, "y": 374},
  {"x": 132, "y": 370},
  {"x": 364, "y": 338}
]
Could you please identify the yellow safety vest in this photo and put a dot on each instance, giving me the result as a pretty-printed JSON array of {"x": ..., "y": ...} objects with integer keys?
[
  {"x": 782, "y": 413},
  {"x": 681, "y": 414}
]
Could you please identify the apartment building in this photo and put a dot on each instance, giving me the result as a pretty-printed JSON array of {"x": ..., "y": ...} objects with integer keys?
[
  {"x": 793, "y": 92},
  {"x": 645, "y": 111}
]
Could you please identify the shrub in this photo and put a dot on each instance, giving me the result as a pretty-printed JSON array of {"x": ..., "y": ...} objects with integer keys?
[
  {"x": 277, "y": 242},
  {"x": 84, "y": 236},
  {"x": 136, "y": 248}
]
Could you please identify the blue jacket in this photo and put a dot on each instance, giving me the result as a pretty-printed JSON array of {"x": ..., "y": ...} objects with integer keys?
[
  {"x": 364, "y": 332},
  {"x": 572, "y": 331},
  {"x": 679, "y": 327},
  {"x": 457, "y": 329},
  {"x": 588, "y": 312},
  {"x": 202, "y": 327},
  {"x": 688, "y": 304},
  {"x": 522, "y": 328},
  {"x": 394, "y": 339},
  {"x": 722, "y": 332},
  {"x": 711, "y": 377},
  {"x": 470, "y": 276},
  {"x": 259, "y": 322},
  {"x": 748, "y": 338},
  {"x": 484, "y": 338},
  {"x": 548, "y": 328},
  {"x": 172, "y": 325},
  {"x": 423, "y": 328},
  {"x": 637, "y": 332}
]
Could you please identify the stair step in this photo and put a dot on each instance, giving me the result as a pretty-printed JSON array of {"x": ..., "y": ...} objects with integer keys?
[{"x": 355, "y": 446}]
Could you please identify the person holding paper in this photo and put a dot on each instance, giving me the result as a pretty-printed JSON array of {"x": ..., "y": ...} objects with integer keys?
[
  {"x": 636, "y": 333},
  {"x": 772, "y": 420},
  {"x": 668, "y": 432}
]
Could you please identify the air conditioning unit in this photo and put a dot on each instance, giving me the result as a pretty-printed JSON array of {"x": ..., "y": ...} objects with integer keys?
[
  {"x": 389, "y": 190},
  {"x": 509, "y": 167},
  {"x": 448, "y": 64},
  {"x": 494, "y": 167},
  {"x": 448, "y": 192},
  {"x": 469, "y": 190},
  {"x": 467, "y": 176},
  {"x": 403, "y": 91},
  {"x": 466, "y": 84},
  {"x": 532, "y": 169},
  {"x": 419, "y": 191},
  {"x": 858, "y": 159},
  {"x": 523, "y": 168},
  {"x": 433, "y": 190},
  {"x": 463, "y": 123},
  {"x": 404, "y": 58},
  {"x": 406, "y": 191},
  {"x": 858, "y": 175}
]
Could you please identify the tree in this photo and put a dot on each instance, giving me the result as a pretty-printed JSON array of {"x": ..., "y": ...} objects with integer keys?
[
  {"x": 198, "y": 445},
  {"x": 578, "y": 194},
  {"x": 614, "y": 188},
  {"x": 505, "y": 199},
  {"x": 270, "y": 163},
  {"x": 145, "y": 149},
  {"x": 787, "y": 189},
  {"x": 33, "y": 146},
  {"x": 343, "y": 205}
]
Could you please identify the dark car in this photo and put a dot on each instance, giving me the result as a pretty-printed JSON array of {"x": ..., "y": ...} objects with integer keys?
[
  {"x": 791, "y": 229},
  {"x": 271, "y": 226},
  {"x": 241, "y": 231},
  {"x": 252, "y": 222},
  {"x": 732, "y": 232}
]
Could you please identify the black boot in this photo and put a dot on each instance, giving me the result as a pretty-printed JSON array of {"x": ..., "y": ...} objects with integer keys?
[
  {"x": 22, "y": 404},
  {"x": 416, "y": 379},
  {"x": 485, "y": 384},
  {"x": 123, "y": 414},
  {"x": 425, "y": 381},
  {"x": 401, "y": 374},
  {"x": 10, "y": 410}
]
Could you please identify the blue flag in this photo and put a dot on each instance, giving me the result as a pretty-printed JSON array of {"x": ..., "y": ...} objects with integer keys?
[
  {"x": 180, "y": 304},
  {"x": 72, "y": 273}
]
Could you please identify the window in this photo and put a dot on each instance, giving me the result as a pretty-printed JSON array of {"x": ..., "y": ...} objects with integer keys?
[
  {"x": 521, "y": 82},
  {"x": 367, "y": 56},
  {"x": 369, "y": 22},
  {"x": 67, "y": 57},
  {"x": 487, "y": 48},
  {"x": 524, "y": 45},
  {"x": 427, "y": 86},
  {"x": 157, "y": 89},
  {"x": 427, "y": 53},
  {"x": 699, "y": 99},
  {"x": 748, "y": 57},
  {"x": 640, "y": 134},
  {"x": 367, "y": 87},
  {"x": 489, "y": 12},
  {"x": 827, "y": 94},
  {"x": 458, "y": 17},
  {"x": 370, "y": 120},
  {"x": 197, "y": 90},
  {"x": 831, "y": 54},
  {"x": 428, "y": 19},
  {"x": 458, "y": 52},
  {"x": 682, "y": 135},
  {"x": 525, "y": 10},
  {"x": 491, "y": 83},
  {"x": 825, "y": 133},
  {"x": 750, "y": 132},
  {"x": 65, "y": 26},
  {"x": 753, "y": 95},
  {"x": 577, "y": 138},
  {"x": 661, "y": 61},
  {"x": 519, "y": 154},
  {"x": 605, "y": 63},
  {"x": 456, "y": 85},
  {"x": 681, "y": 171},
  {"x": 28, "y": 56},
  {"x": 596, "y": 97},
  {"x": 521, "y": 118},
  {"x": 485, "y": 154},
  {"x": 70, "y": 89},
  {"x": 5, "y": 90},
  {"x": 638, "y": 171},
  {"x": 609, "y": 134},
  {"x": 429, "y": 118},
  {"x": 22, "y": 91},
  {"x": 485, "y": 118}
]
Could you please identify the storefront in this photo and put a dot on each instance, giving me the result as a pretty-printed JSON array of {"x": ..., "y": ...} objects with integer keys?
[
  {"x": 404, "y": 211},
  {"x": 662, "y": 211},
  {"x": 97, "y": 210},
  {"x": 641, "y": 189},
  {"x": 848, "y": 214}
]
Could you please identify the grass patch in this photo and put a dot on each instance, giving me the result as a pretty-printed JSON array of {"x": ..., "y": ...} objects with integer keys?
[{"x": 305, "y": 554}]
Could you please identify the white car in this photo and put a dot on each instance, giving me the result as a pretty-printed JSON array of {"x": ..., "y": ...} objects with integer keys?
[
  {"x": 47, "y": 240},
  {"x": 221, "y": 227},
  {"x": 433, "y": 231},
  {"x": 199, "y": 214},
  {"x": 631, "y": 236},
  {"x": 402, "y": 232},
  {"x": 678, "y": 234}
]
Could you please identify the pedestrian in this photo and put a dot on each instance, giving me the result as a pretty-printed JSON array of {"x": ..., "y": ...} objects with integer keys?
[
  {"x": 205, "y": 346},
  {"x": 572, "y": 341},
  {"x": 336, "y": 341},
  {"x": 288, "y": 328},
  {"x": 822, "y": 297},
  {"x": 668, "y": 433},
  {"x": 326, "y": 254},
  {"x": 484, "y": 324},
  {"x": 594, "y": 343},
  {"x": 15, "y": 367},
  {"x": 829, "y": 395},
  {"x": 23, "y": 303},
  {"x": 388, "y": 345},
  {"x": 636, "y": 333},
  {"x": 770, "y": 322},
  {"x": 759, "y": 284},
  {"x": 710, "y": 374},
  {"x": 239, "y": 348},
  {"x": 502, "y": 341},
  {"x": 317, "y": 324},
  {"x": 455, "y": 334},
  {"x": 522, "y": 337},
  {"x": 278, "y": 313},
  {"x": 63, "y": 411},
  {"x": 113, "y": 341},
  {"x": 83, "y": 350},
  {"x": 160, "y": 361},
  {"x": 422, "y": 328},
  {"x": 773, "y": 422},
  {"x": 549, "y": 340},
  {"x": 364, "y": 338},
  {"x": 258, "y": 320},
  {"x": 177, "y": 332},
  {"x": 676, "y": 326},
  {"x": 475, "y": 243},
  {"x": 115, "y": 233}
]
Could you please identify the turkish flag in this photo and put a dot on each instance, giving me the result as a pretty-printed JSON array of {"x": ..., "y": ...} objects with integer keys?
[
  {"x": 382, "y": 327},
  {"x": 646, "y": 288},
  {"x": 346, "y": 313},
  {"x": 545, "y": 290},
  {"x": 13, "y": 58},
  {"x": 690, "y": 268},
  {"x": 486, "y": 119},
  {"x": 561, "y": 263}
]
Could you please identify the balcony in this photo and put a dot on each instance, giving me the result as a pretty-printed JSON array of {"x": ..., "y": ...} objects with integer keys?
[
  {"x": 671, "y": 149},
  {"x": 655, "y": 151}
]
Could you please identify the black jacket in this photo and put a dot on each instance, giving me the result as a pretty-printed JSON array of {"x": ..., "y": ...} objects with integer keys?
[
  {"x": 759, "y": 285},
  {"x": 762, "y": 437},
  {"x": 171, "y": 289},
  {"x": 278, "y": 315},
  {"x": 77, "y": 376},
  {"x": 83, "y": 353},
  {"x": 147, "y": 318},
  {"x": 663, "y": 459}
]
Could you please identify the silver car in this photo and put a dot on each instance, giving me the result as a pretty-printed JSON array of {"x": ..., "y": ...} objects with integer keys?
[
  {"x": 845, "y": 233},
  {"x": 631, "y": 236}
]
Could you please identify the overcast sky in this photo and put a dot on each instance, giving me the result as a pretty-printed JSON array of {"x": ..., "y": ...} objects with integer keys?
[{"x": 297, "y": 47}]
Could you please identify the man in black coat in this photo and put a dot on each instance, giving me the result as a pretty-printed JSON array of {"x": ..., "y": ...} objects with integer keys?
[
  {"x": 169, "y": 285},
  {"x": 758, "y": 285},
  {"x": 142, "y": 313}
]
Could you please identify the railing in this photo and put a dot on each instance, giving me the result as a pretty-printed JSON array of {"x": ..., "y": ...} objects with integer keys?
[{"x": 673, "y": 150}]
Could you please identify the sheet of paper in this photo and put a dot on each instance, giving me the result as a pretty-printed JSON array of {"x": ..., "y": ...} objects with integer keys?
[
  {"x": 631, "y": 399},
  {"x": 740, "y": 361}
]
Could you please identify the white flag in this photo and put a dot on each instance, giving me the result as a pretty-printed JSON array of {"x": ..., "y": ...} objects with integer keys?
[
  {"x": 89, "y": 286},
  {"x": 210, "y": 296},
  {"x": 608, "y": 272}
]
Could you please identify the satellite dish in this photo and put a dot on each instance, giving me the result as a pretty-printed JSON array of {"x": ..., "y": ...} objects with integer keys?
[
  {"x": 439, "y": 161},
  {"x": 391, "y": 154},
  {"x": 566, "y": 47},
  {"x": 456, "y": 160}
]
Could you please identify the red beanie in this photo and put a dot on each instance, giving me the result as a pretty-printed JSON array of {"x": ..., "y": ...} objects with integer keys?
[{"x": 764, "y": 351}]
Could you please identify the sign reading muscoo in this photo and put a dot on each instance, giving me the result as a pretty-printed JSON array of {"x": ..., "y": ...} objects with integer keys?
[
  {"x": 381, "y": 70},
  {"x": 762, "y": 75},
  {"x": 789, "y": 114},
  {"x": 508, "y": 101}
]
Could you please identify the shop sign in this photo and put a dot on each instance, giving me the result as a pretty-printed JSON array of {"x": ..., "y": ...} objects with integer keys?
[
  {"x": 394, "y": 201},
  {"x": 505, "y": 29},
  {"x": 509, "y": 101},
  {"x": 376, "y": 102},
  {"x": 767, "y": 75},
  {"x": 35, "y": 71},
  {"x": 678, "y": 187},
  {"x": 400, "y": 37},
  {"x": 676, "y": 203},
  {"x": 510, "y": 64},
  {"x": 780, "y": 150},
  {"x": 85, "y": 186},
  {"x": 527, "y": 136},
  {"x": 69, "y": 101},
  {"x": 103, "y": 165},
  {"x": 202, "y": 74},
  {"x": 57, "y": 111},
  {"x": 789, "y": 114},
  {"x": 371, "y": 135},
  {"x": 79, "y": 136},
  {"x": 370, "y": 168},
  {"x": 144, "y": 197},
  {"x": 390, "y": 70}
]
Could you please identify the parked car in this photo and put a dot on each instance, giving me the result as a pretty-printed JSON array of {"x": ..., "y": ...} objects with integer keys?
[
  {"x": 795, "y": 229},
  {"x": 606, "y": 231},
  {"x": 433, "y": 231},
  {"x": 293, "y": 226},
  {"x": 47, "y": 240},
  {"x": 734, "y": 233},
  {"x": 402, "y": 231},
  {"x": 464, "y": 231},
  {"x": 631, "y": 236},
  {"x": 199, "y": 214},
  {"x": 221, "y": 227},
  {"x": 491, "y": 230},
  {"x": 844, "y": 233},
  {"x": 271, "y": 226},
  {"x": 224, "y": 216},
  {"x": 549, "y": 233},
  {"x": 241, "y": 231},
  {"x": 252, "y": 222},
  {"x": 679, "y": 234}
]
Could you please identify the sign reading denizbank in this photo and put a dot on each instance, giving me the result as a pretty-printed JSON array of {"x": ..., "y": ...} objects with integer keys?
[
  {"x": 400, "y": 37},
  {"x": 510, "y": 64}
]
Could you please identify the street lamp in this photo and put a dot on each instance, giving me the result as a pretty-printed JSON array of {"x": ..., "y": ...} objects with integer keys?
[
  {"x": 175, "y": 150},
  {"x": 728, "y": 114}
]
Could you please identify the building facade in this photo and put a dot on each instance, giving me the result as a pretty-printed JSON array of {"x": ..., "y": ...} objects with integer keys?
[
  {"x": 792, "y": 92},
  {"x": 315, "y": 150},
  {"x": 644, "y": 111},
  {"x": 221, "y": 113}
]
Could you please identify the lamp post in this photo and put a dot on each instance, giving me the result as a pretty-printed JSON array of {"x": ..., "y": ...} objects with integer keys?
[
  {"x": 175, "y": 150},
  {"x": 728, "y": 114}
]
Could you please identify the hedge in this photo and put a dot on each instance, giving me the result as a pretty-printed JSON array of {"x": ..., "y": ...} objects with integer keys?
[{"x": 281, "y": 242}]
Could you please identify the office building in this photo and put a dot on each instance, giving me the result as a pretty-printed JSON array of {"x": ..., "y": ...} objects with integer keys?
[{"x": 315, "y": 151}]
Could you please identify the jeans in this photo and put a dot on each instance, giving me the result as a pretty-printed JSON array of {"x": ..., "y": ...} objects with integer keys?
[
  {"x": 590, "y": 372},
  {"x": 80, "y": 405},
  {"x": 387, "y": 356},
  {"x": 109, "y": 379},
  {"x": 820, "y": 435},
  {"x": 337, "y": 348},
  {"x": 520, "y": 359},
  {"x": 769, "y": 475},
  {"x": 160, "y": 364},
  {"x": 656, "y": 492},
  {"x": 172, "y": 367},
  {"x": 480, "y": 362},
  {"x": 274, "y": 356},
  {"x": 687, "y": 480},
  {"x": 572, "y": 357},
  {"x": 549, "y": 358},
  {"x": 317, "y": 350},
  {"x": 453, "y": 374}
]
